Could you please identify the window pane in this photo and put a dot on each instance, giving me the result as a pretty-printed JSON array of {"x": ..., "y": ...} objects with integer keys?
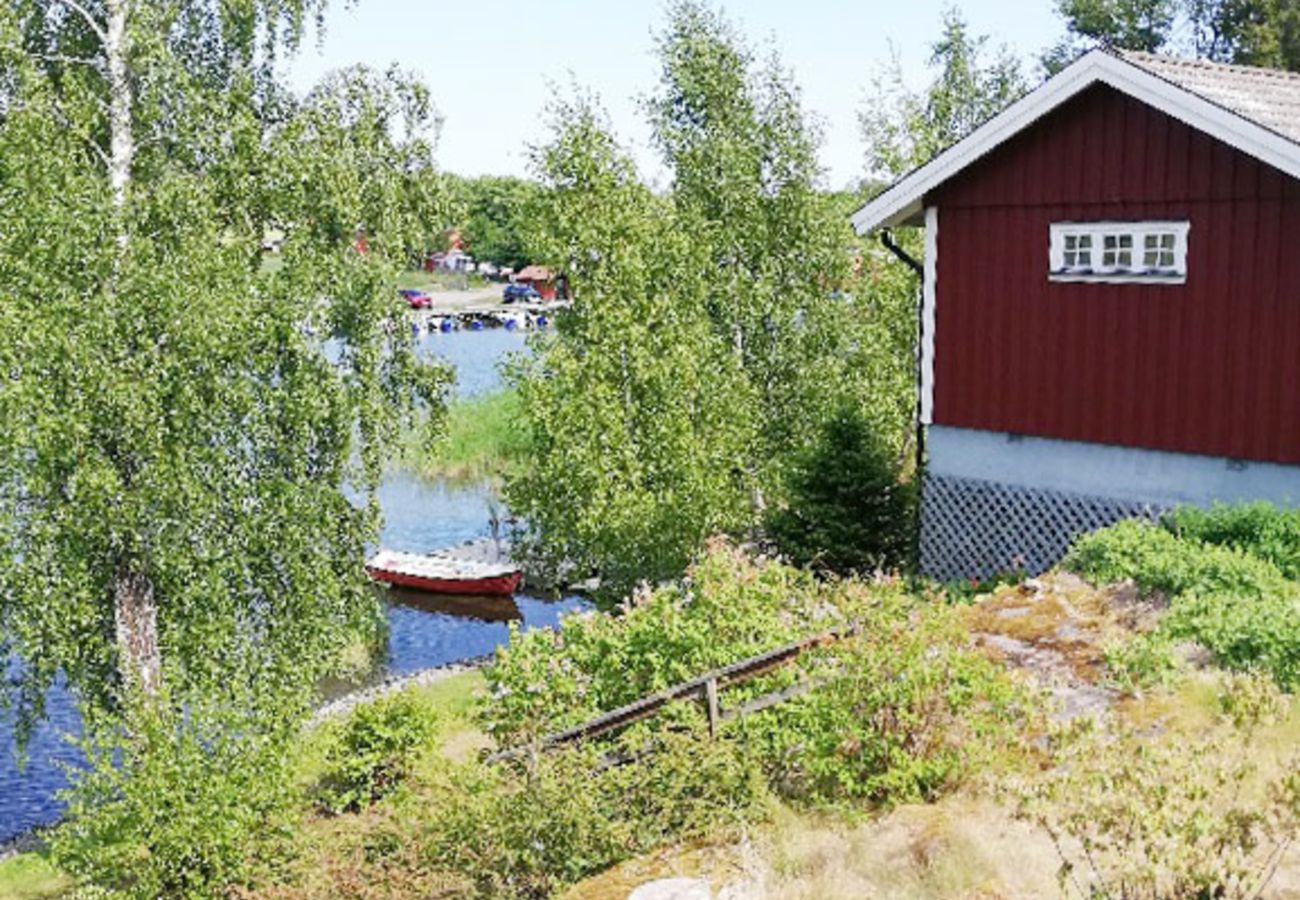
[{"x": 1167, "y": 241}]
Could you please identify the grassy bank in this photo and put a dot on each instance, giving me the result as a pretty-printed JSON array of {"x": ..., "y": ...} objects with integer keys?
[
  {"x": 484, "y": 441},
  {"x": 30, "y": 876}
]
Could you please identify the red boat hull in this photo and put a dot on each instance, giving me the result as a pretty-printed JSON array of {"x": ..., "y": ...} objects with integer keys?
[{"x": 495, "y": 585}]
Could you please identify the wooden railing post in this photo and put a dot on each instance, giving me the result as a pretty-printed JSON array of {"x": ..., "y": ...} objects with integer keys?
[{"x": 711, "y": 699}]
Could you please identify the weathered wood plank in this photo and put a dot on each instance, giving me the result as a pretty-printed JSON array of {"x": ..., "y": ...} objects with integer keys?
[{"x": 697, "y": 688}]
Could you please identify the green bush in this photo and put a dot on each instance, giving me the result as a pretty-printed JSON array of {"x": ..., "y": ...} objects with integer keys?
[
  {"x": 906, "y": 714},
  {"x": 1141, "y": 662},
  {"x": 375, "y": 750},
  {"x": 1238, "y": 605},
  {"x": 898, "y": 713},
  {"x": 1134, "y": 816},
  {"x": 1244, "y": 634},
  {"x": 176, "y": 805},
  {"x": 1157, "y": 560},
  {"x": 726, "y": 610},
  {"x": 848, "y": 510},
  {"x": 1260, "y": 529},
  {"x": 526, "y": 831}
]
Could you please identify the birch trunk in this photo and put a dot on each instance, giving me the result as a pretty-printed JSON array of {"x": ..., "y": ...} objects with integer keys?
[
  {"x": 135, "y": 611},
  {"x": 121, "y": 148},
  {"x": 135, "y": 617}
]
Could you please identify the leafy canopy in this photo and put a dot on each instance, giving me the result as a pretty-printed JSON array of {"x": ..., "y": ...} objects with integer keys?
[
  {"x": 495, "y": 217},
  {"x": 175, "y": 406},
  {"x": 712, "y": 333},
  {"x": 1249, "y": 32},
  {"x": 904, "y": 129}
]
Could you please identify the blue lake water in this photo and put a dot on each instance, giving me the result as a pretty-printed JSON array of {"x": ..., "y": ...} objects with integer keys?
[{"x": 419, "y": 516}]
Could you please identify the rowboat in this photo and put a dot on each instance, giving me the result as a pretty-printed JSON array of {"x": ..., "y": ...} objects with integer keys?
[{"x": 443, "y": 574}]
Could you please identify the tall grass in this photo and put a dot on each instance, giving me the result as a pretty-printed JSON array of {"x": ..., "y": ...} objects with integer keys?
[{"x": 485, "y": 440}]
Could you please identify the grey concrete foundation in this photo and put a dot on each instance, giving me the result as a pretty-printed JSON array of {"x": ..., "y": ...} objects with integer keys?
[{"x": 996, "y": 502}]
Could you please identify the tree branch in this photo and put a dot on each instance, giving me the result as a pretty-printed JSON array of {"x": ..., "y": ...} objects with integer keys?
[{"x": 90, "y": 20}]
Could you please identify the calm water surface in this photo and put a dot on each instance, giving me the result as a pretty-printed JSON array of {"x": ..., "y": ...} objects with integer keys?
[{"x": 419, "y": 516}]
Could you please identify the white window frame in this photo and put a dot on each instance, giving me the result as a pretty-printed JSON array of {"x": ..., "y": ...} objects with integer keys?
[{"x": 1137, "y": 272}]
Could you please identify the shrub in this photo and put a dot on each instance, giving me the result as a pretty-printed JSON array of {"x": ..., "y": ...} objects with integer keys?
[
  {"x": 1157, "y": 560},
  {"x": 375, "y": 750},
  {"x": 728, "y": 608},
  {"x": 898, "y": 713},
  {"x": 1260, "y": 529},
  {"x": 1243, "y": 634},
  {"x": 907, "y": 713},
  {"x": 1239, "y": 606},
  {"x": 1141, "y": 662},
  {"x": 527, "y": 831},
  {"x": 176, "y": 805},
  {"x": 1135, "y": 818},
  {"x": 848, "y": 510}
]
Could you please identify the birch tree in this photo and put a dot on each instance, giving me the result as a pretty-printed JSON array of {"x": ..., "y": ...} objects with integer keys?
[{"x": 177, "y": 429}]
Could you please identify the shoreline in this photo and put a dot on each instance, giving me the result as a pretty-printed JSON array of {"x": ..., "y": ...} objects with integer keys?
[{"x": 31, "y": 840}]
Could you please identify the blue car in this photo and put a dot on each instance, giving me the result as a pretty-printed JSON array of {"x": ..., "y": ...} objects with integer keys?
[{"x": 517, "y": 292}]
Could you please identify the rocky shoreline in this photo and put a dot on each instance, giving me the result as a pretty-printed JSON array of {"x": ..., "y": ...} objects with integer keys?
[{"x": 32, "y": 839}]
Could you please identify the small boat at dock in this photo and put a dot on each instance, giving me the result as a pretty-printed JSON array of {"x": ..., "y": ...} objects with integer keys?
[{"x": 439, "y": 574}]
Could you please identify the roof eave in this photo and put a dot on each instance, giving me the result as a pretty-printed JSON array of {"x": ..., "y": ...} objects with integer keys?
[{"x": 901, "y": 203}]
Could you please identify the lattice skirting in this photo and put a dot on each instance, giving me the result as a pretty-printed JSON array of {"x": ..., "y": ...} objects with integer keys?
[{"x": 975, "y": 529}]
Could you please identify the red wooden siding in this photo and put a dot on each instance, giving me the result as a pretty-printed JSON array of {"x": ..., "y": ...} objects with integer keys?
[{"x": 1211, "y": 367}]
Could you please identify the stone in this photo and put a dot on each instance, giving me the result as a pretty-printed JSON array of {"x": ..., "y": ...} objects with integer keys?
[{"x": 673, "y": 889}]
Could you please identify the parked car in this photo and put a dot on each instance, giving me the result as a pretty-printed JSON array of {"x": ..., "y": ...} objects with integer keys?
[
  {"x": 416, "y": 299},
  {"x": 520, "y": 292}
]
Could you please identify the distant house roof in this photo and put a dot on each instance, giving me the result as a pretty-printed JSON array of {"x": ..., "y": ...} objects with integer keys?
[
  {"x": 533, "y": 273},
  {"x": 1255, "y": 110}
]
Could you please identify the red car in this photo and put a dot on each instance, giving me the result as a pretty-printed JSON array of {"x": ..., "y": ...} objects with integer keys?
[{"x": 416, "y": 299}]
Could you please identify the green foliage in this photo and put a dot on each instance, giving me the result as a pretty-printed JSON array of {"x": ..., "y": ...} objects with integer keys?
[
  {"x": 1136, "y": 817},
  {"x": 484, "y": 438},
  {"x": 908, "y": 714},
  {"x": 526, "y": 833},
  {"x": 495, "y": 217},
  {"x": 1260, "y": 529},
  {"x": 901, "y": 712},
  {"x": 1142, "y": 662},
  {"x": 31, "y": 876},
  {"x": 847, "y": 509},
  {"x": 181, "y": 420},
  {"x": 1244, "y": 634},
  {"x": 638, "y": 453},
  {"x": 1128, "y": 24},
  {"x": 189, "y": 448},
  {"x": 375, "y": 750},
  {"x": 1247, "y": 32},
  {"x": 707, "y": 343},
  {"x": 1159, "y": 561},
  {"x": 1238, "y": 605},
  {"x": 904, "y": 129},
  {"x": 176, "y": 806}
]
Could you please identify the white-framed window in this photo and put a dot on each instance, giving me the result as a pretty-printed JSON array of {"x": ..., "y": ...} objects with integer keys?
[{"x": 1141, "y": 252}]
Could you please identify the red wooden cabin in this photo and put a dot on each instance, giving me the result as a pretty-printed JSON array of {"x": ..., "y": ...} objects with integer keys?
[{"x": 1111, "y": 313}]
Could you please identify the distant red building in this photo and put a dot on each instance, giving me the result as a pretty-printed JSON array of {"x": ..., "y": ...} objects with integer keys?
[
  {"x": 1111, "y": 315},
  {"x": 540, "y": 278}
]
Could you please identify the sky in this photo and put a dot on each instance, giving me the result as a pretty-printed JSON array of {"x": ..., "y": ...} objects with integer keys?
[{"x": 493, "y": 65}]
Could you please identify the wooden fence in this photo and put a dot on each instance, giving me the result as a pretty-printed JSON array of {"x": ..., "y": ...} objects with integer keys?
[{"x": 704, "y": 688}]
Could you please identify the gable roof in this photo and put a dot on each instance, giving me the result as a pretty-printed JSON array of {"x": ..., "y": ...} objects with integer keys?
[
  {"x": 1267, "y": 97},
  {"x": 1255, "y": 110}
]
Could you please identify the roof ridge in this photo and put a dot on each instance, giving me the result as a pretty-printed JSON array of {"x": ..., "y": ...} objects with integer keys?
[{"x": 1139, "y": 56}]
